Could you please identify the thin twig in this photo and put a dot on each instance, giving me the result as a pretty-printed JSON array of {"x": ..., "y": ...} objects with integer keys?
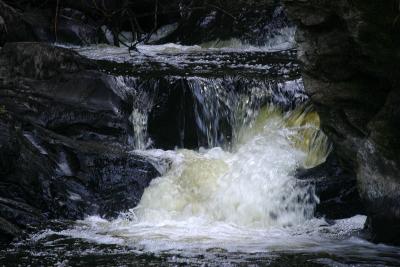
[
  {"x": 222, "y": 10},
  {"x": 56, "y": 20}
]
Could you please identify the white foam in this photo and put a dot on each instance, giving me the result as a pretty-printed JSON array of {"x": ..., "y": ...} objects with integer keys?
[
  {"x": 245, "y": 200},
  {"x": 197, "y": 236},
  {"x": 282, "y": 40}
]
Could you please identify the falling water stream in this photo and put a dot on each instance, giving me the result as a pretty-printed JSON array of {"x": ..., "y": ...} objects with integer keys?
[
  {"x": 234, "y": 201},
  {"x": 229, "y": 200}
]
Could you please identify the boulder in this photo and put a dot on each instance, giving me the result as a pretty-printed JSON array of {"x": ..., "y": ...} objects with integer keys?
[
  {"x": 64, "y": 139},
  {"x": 350, "y": 53},
  {"x": 336, "y": 189}
]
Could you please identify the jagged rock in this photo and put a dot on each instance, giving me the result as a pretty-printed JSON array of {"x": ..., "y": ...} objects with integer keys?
[
  {"x": 64, "y": 146},
  {"x": 350, "y": 53}
]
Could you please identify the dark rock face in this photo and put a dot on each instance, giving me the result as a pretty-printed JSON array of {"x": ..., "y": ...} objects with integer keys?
[
  {"x": 336, "y": 189},
  {"x": 63, "y": 140},
  {"x": 172, "y": 121},
  {"x": 253, "y": 22},
  {"x": 350, "y": 53},
  {"x": 40, "y": 24},
  {"x": 85, "y": 22},
  {"x": 193, "y": 112}
]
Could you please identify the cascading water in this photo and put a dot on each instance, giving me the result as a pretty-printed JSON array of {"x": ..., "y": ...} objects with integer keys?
[
  {"x": 251, "y": 186},
  {"x": 219, "y": 107},
  {"x": 234, "y": 199},
  {"x": 234, "y": 103},
  {"x": 226, "y": 197}
]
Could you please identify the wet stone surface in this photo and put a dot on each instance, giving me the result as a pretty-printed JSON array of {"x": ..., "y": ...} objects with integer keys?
[{"x": 195, "y": 61}]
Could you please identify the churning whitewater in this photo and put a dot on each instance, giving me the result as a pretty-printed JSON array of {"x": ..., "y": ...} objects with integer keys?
[
  {"x": 234, "y": 199},
  {"x": 252, "y": 186}
]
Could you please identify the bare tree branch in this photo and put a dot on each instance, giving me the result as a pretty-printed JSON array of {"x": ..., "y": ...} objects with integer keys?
[{"x": 56, "y": 20}]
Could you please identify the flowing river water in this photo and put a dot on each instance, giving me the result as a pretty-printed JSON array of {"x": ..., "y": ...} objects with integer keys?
[{"x": 235, "y": 200}]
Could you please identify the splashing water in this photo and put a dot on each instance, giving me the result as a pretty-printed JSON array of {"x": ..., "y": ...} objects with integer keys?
[
  {"x": 240, "y": 195},
  {"x": 282, "y": 39},
  {"x": 251, "y": 186},
  {"x": 218, "y": 106},
  {"x": 215, "y": 198},
  {"x": 233, "y": 205}
]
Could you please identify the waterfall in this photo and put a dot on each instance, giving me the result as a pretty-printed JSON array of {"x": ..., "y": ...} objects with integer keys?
[
  {"x": 250, "y": 186},
  {"x": 256, "y": 132},
  {"x": 227, "y": 192},
  {"x": 234, "y": 103},
  {"x": 210, "y": 110},
  {"x": 227, "y": 126},
  {"x": 231, "y": 145}
]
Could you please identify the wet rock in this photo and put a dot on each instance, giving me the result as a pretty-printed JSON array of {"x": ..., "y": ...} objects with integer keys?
[
  {"x": 193, "y": 112},
  {"x": 8, "y": 230},
  {"x": 90, "y": 105},
  {"x": 336, "y": 189},
  {"x": 350, "y": 54},
  {"x": 249, "y": 22},
  {"x": 64, "y": 146},
  {"x": 172, "y": 121},
  {"x": 93, "y": 7},
  {"x": 74, "y": 27},
  {"x": 41, "y": 24},
  {"x": 13, "y": 27},
  {"x": 186, "y": 22}
]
